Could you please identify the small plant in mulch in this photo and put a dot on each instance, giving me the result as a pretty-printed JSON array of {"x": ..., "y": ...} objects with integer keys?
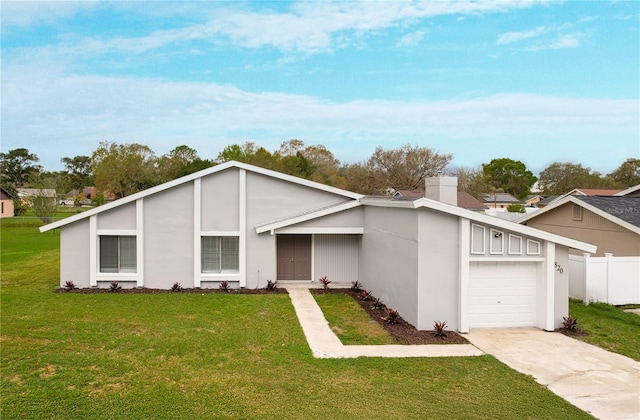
[
  {"x": 377, "y": 304},
  {"x": 272, "y": 286},
  {"x": 177, "y": 287},
  {"x": 224, "y": 286},
  {"x": 69, "y": 285},
  {"x": 356, "y": 286},
  {"x": 570, "y": 323},
  {"x": 114, "y": 287},
  {"x": 365, "y": 295},
  {"x": 438, "y": 329},
  {"x": 392, "y": 317},
  {"x": 325, "y": 282}
]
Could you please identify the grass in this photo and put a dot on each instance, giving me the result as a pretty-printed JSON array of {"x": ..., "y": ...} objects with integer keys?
[
  {"x": 609, "y": 327},
  {"x": 349, "y": 322},
  {"x": 193, "y": 356}
]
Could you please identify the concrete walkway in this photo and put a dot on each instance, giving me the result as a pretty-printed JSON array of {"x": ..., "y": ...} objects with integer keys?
[
  {"x": 324, "y": 343},
  {"x": 602, "y": 383}
]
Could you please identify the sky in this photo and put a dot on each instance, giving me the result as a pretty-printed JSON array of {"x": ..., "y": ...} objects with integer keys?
[{"x": 535, "y": 81}]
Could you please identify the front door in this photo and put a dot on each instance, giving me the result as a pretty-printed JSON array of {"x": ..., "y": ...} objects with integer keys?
[{"x": 294, "y": 257}]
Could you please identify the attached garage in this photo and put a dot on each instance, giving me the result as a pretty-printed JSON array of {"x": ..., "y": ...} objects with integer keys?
[{"x": 502, "y": 294}]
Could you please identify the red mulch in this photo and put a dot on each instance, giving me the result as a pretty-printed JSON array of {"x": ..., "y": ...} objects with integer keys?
[{"x": 402, "y": 332}]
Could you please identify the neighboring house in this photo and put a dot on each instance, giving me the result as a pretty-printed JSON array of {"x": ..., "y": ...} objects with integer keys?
[
  {"x": 610, "y": 222},
  {"x": 239, "y": 223},
  {"x": 547, "y": 200},
  {"x": 27, "y": 195},
  {"x": 631, "y": 191},
  {"x": 499, "y": 200},
  {"x": 532, "y": 200},
  {"x": 6, "y": 203}
]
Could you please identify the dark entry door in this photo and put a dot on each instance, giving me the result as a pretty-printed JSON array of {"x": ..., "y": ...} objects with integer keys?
[{"x": 294, "y": 257}]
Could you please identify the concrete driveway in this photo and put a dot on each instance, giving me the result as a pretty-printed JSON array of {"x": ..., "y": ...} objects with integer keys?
[{"x": 604, "y": 384}]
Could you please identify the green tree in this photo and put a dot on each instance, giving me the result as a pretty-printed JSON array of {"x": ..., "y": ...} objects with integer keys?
[
  {"x": 562, "y": 177},
  {"x": 180, "y": 161},
  {"x": 511, "y": 176},
  {"x": 628, "y": 174},
  {"x": 404, "y": 168},
  {"x": 471, "y": 180},
  {"x": 17, "y": 165},
  {"x": 124, "y": 169},
  {"x": 44, "y": 201},
  {"x": 80, "y": 171},
  {"x": 297, "y": 165}
]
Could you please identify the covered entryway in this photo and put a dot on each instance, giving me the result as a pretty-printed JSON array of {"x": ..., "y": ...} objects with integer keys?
[
  {"x": 294, "y": 257},
  {"x": 502, "y": 294}
]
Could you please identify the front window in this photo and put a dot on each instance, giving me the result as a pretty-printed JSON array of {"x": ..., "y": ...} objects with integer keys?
[
  {"x": 118, "y": 254},
  {"x": 220, "y": 254}
]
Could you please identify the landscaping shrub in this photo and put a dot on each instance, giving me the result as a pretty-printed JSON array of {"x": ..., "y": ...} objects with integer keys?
[
  {"x": 392, "y": 316},
  {"x": 114, "y": 287},
  {"x": 569, "y": 323},
  {"x": 272, "y": 285},
  {"x": 325, "y": 282},
  {"x": 438, "y": 329},
  {"x": 224, "y": 286}
]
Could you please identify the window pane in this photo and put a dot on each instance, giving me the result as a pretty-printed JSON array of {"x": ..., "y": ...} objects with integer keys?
[
  {"x": 229, "y": 254},
  {"x": 128, "y": 258},
  {"x": 210, "y": 254},
  {"x": 108, "y": 254}
]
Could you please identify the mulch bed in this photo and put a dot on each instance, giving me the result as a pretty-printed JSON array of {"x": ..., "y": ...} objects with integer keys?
[
  {"x": 402, "y": 332},
  {"x": 572, "y": 333}
]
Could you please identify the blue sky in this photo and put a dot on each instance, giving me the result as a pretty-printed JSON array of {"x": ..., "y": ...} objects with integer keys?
[{"x": 536, "y": 81}]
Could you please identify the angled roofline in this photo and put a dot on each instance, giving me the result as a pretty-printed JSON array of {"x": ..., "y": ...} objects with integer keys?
[
  {"x": 188, "y": 178},
  {"x": 488, "y": 220},
  {"x": 593, "y": 209},
  {"x": 310, "y": 215},
  {"x": 627, "y": 191}
]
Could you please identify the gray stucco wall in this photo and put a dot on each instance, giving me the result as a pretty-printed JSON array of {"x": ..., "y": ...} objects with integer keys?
[
  {"x": 168, "y": 237},
  {"x": 220, "y": 201},
  {"x": 389, "y": 258},
  {"x": 123, "y": 217},
  {"x": 74, "y": 254},
  {"x": 438, "y": 269}
]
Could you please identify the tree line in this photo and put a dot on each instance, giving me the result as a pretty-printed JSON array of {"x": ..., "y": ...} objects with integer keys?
[{"x": 118, "y": 170}]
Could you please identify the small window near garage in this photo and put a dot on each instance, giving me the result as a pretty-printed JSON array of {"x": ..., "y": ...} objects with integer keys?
[
  {"x": 118, "y": 254},
  {"x": 577, "y": 212},
  {"x": 533, "y": 247},
  {"x": 497, "y": 242},
  {"x": 220, "y": 254},
  {"x": 515, "y": 245}
]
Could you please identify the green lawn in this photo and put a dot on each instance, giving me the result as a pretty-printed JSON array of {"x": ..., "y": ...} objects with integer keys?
[
  {"x": 193, "y": 356},
  {"x": 609, "y": 327}
]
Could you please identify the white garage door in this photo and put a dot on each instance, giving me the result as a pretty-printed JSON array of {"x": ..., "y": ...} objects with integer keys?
[{"x": 502, "y": 294}]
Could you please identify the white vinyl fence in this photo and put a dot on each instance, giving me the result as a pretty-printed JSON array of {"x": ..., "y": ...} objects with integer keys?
[{"x": 609, "y": 279}]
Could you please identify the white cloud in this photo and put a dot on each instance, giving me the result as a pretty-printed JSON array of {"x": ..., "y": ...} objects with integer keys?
[
  {"x": 42, "y": 113},
  {"x": 29, "y": 13},
  {"x": 511, "y": 37},
  {"x": 411, "y": 40}
]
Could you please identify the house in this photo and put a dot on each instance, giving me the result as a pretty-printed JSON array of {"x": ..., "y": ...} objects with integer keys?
[
  {"x": 27, "y": 195},
  {"x": 6, "y": 203},
  {"x": 610, "y": 222},
  {"x": 499, "y": 200},
  {"x": 532, "y": 200},
  {"x": 430, "y": 260}
]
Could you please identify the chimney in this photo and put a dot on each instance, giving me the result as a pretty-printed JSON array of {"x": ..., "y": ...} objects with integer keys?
[{"x": 442, "y": 188}]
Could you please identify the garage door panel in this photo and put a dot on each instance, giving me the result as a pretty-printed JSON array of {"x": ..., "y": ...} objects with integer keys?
[{"x": 502, "y": 294}]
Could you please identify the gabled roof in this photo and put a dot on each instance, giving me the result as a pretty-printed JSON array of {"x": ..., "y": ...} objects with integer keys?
[
  {"x": 622, "y": 211},
  {"x": 500, "y": 198},
  {"x": 36, "y": 192},
  {"x": 193, "y": 176},
  {"x": 6, "y": 192},
  {"x": 308, "y": 215},
  {"x": 595, "y": 191},
  {"x": 628, "y": 191},
  {"x": 481, "y": 218}
]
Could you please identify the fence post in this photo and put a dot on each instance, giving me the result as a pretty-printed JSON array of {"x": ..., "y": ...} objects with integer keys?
[
  {"x": 587, "y": 288},
  {"x": 608, "y": 278}
]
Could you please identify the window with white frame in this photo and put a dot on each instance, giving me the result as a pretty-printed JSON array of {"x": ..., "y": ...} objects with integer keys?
[
  {"x": 220, "y": 254},
  {"x": 118, "y": 254}
]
